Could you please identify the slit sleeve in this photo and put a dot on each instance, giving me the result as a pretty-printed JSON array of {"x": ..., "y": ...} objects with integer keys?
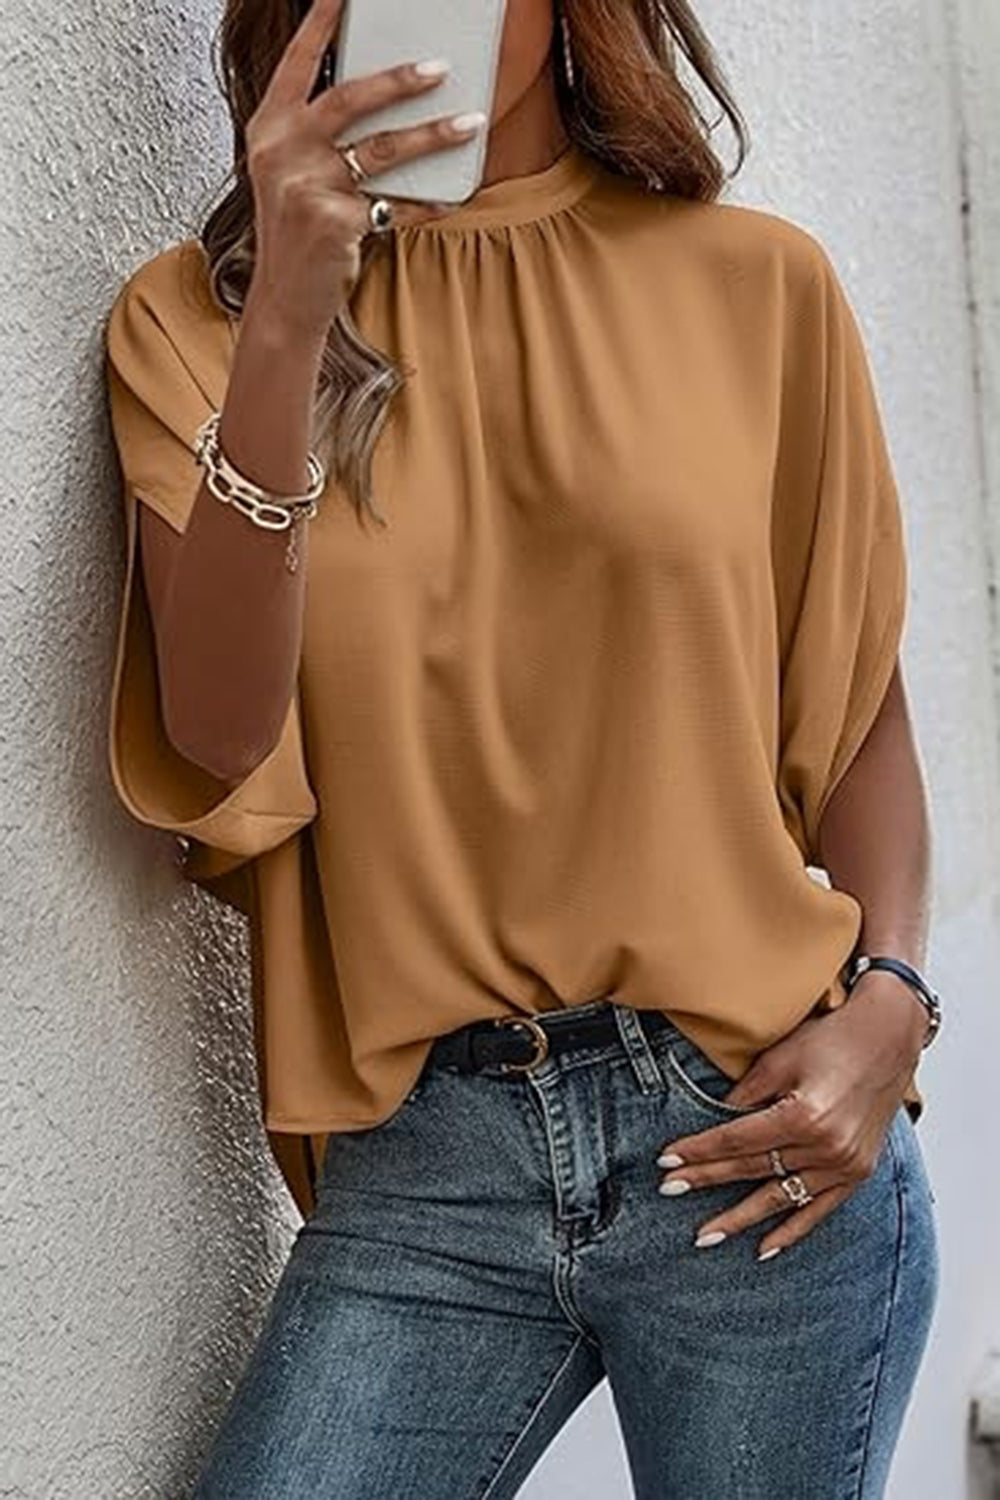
[
  {"x": 158, "y": 396},
  {"x": 840, "y": 565}
]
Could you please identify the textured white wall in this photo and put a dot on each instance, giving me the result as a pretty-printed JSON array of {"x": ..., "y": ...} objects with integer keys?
[{"x": 143, "y": 1223}]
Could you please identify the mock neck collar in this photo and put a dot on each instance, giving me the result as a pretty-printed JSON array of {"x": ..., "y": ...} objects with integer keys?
[{"x": 517, "y": 200}]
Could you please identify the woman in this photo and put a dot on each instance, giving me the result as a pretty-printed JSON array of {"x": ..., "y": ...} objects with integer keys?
[{"x": 517, "y": 749}]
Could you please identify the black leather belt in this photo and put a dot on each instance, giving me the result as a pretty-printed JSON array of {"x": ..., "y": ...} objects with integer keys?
[{"x": 516, "y": 1044}]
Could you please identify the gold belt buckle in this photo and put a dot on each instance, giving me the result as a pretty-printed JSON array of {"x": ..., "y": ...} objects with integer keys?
[{"x": 541, "y": 1043}]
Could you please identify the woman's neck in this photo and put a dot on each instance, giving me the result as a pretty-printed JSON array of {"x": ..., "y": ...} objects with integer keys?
[{"x": 530, "y": 135}]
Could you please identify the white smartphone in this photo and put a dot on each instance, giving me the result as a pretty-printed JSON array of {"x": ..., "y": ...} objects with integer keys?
[{"x": 376, "y": 34}]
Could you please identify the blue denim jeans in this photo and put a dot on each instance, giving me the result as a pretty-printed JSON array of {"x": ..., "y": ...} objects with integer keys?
[{"x": 478, "y": 1262}]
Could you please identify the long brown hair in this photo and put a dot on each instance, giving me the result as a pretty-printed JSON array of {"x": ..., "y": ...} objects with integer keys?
[{"x": 629, "y": 107}]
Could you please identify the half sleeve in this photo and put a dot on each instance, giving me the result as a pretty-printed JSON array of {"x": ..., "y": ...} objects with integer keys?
[
  {"x": 840, "y": 567},
  {"x": 166, "y": 366}
]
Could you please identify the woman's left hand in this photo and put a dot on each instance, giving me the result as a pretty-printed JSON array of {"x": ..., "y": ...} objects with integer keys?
[{"x": 836, "y": 1082}]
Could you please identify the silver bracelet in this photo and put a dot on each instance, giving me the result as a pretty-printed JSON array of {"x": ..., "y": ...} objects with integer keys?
[{"x": 263, "y": 507}]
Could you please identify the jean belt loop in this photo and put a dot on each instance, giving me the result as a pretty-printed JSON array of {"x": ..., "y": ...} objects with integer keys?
[{"x": 648, "y": 1074}]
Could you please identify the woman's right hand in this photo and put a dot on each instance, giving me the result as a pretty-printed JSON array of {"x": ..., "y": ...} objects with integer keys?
[{"x": 309, "y": 217}]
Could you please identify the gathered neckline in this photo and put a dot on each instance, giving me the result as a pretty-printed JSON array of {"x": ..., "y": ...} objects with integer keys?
[{"x": 520, "y": 199}]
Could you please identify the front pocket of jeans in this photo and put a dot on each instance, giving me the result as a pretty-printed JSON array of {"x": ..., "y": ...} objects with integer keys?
[
  {"x": 407, "y": 1105},
  {"x": 413, "y": 1096},
  {"x": 701, "y": 1080}
]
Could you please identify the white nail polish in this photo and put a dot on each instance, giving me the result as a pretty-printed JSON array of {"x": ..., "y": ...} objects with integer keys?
[
  {"x": 710, "y": 1237},
  {"x": 766, "y": 1254},
  {"x": 670, "y": 1159},
  {"x": 472, "y": 121},
  {"x": 433, "y": 67},
  {"x": 672, "y": 1188}
]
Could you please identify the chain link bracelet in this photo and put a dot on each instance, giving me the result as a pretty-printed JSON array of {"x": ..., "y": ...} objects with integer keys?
[{"x": 263, "y": 507}]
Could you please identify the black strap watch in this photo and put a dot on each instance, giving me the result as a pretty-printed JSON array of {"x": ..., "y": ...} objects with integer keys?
[{"x": 928, "y": 998}]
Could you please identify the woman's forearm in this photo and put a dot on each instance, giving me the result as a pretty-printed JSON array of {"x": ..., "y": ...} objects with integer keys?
[
  {"x": 875, "y": 842},
  {"x": 227, "y": 612}
]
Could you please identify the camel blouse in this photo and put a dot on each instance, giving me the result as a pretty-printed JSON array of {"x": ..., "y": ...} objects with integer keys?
[{"x": 567, "y": 725}]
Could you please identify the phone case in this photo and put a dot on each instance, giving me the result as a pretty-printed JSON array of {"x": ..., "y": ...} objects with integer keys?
[{"x": 376, "y": 34}]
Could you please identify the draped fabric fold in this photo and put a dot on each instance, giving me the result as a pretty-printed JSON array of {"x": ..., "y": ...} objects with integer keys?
[
  {"x": 840, "y": 562},
  {"x": 158, "y": 398}
]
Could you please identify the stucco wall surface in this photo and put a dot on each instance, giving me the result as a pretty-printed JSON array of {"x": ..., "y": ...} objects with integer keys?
[{"x": 143, "y": 1223}]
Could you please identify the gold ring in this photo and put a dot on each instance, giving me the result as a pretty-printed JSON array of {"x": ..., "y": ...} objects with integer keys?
[
  {"x": 795, "y": 1189},
  {"x": 357, "y": 171}
]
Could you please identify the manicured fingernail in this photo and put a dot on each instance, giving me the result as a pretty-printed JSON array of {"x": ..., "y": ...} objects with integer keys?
[
  {"x": 710, "y": 1237},
  {"x": 672, "y": 1186},
  {"x": 766, "y": 1254},
  {"x": 471, "y": 121},
  {"x": 670, "y": 1159},
  {"x": 432, "y": 67}
]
